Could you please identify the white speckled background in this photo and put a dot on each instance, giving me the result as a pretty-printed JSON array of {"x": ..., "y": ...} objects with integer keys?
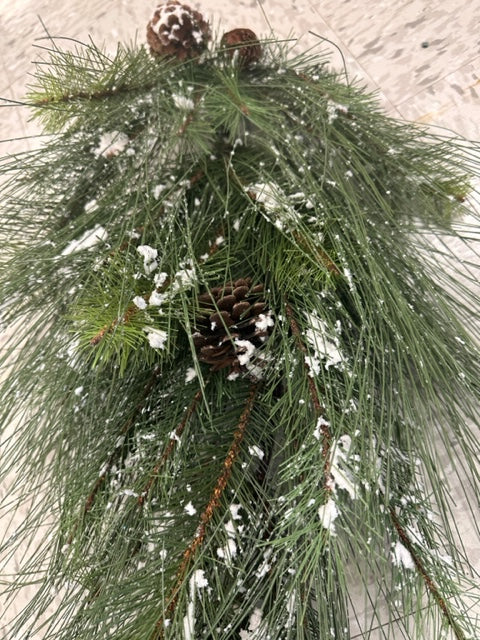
[{"x": 421, "y": 56}]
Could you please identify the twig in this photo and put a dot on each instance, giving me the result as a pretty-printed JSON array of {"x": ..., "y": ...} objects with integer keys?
[
  {"x": 208, "y": 512},
  {"x": 171, "y": 445},
  {"x": 88, "y": 95},
  {"x": 430, "y": 584},
  {"x": 109, "y": 328},
  {"x": 318, "y": 253},
  {"x": 239, "y": 103},
  {"x": 190, "y": 117},
  {"x": 197, "y": 176},
  {"x": 319, "y": 408},
  {"x": 108, "y": 465},
  {"x": 132, "y": 309}
]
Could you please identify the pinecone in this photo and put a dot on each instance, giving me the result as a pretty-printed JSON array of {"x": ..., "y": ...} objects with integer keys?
[
  {"x": 245, "y": 55},
  {"x": 232, "y": 324},
  {"x": 178, "y": 31}
]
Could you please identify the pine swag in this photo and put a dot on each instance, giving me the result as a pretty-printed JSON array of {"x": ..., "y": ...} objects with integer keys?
[{"x": 243, "y": 358}]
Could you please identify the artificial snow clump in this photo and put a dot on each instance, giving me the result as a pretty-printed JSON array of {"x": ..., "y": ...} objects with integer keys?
[
  {"x": 158, "y": 189},
  {"x": 91, "y": 205},
  {"x": 149, "y": 255},
  {"x": 328, "y": 513},
  {"x": 325, "y": 344},
  {"x": 183, "y": 102},
  {"x": 190, "y": 509},
  {"x": 245, "y": 351},
  {"x": 341, "y": 476},
  {"x": 88, "y": 240},
  {"x": 401, "y": 556},
  {"x": 197, "y": 582},
  {"x": 111, "y": 144},
  {"x": 291, "y": 609},
  {"x": 321, "y": 422},
  {"x": 265, "y": 566},
  {"x": 156, "y": 337},
  {"x": 139, "y": 302},
  {"x": 275, "y": 203},
  {"x": 160, "y": 279},
  {"x": 264, "y": 322},
  {"x": 234, "y": 510},
  {"x": 333, "y": 109},
  {"x": 254, "y": 630},
  {"x": 229, "y": 550},
  {"x": 255, "y": 450},
  {"x": 190, "y": 375},
  {"x": 156, "y": 299},
  {"x": 183, "y": 278}
]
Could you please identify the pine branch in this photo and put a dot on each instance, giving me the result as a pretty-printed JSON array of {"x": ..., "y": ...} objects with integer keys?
[
  {"x": 428, "y": 580},
  {"x": 191, "y": 115},
  {"x": 319, "y": 408},
  {"x": 274, "y": 173},
  {"x": 317, "y": 252},
  {"x": 208, "y": 513},
  {"x": 131, "y": 311},
  {"x": 90, "y": 500},
  {"x": 143, "y": 497},
  {"x": 85, "y": 95}
]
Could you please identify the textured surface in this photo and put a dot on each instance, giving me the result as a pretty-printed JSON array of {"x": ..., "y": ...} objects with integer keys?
[{"x": 422, "y": 57}]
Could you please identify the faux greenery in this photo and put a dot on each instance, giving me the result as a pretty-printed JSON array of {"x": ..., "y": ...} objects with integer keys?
[{"x": 183, "y": 502}]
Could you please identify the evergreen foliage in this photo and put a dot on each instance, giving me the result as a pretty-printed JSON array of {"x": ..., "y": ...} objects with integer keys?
[{"x": 184, "y": 502}]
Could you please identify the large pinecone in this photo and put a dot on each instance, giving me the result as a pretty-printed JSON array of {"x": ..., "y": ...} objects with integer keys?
[
  {"x": 232, "y": 323},
  {"x": 178, "y": 31}
]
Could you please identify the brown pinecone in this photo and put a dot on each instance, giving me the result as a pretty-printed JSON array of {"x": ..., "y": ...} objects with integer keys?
[
  {"x": 178, "y": 31},
  {"x": 232, "y": 323},
  {"x": 245, "y": 55}
]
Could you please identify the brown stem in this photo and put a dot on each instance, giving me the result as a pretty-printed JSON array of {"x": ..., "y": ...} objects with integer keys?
[
  {"x": 108, "y": 465},
  {"x": 321, "y": 255},
  {"x": 189, "y": 119},
  {"x": 430, "y": 584},
  {"x": 197, "y": 176},
  {"x": 109, "y": 328},
  {"x": 208, "y": 513},
  {"x": 87, "y": 95},
  {"x": 170, "y": 446},
  {"x": 239, "y": 103}
]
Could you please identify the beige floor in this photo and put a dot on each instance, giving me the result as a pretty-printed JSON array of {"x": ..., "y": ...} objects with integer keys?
[
  {"x": 382, "y": 41},
  {"x": 421, "y": 56}
]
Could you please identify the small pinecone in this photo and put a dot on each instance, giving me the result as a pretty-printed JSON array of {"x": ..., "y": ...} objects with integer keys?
[
  {"x": 231, "y": 324},
  {"x": 245, "y": 55},
  {"x": 178, "y": 31}
]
